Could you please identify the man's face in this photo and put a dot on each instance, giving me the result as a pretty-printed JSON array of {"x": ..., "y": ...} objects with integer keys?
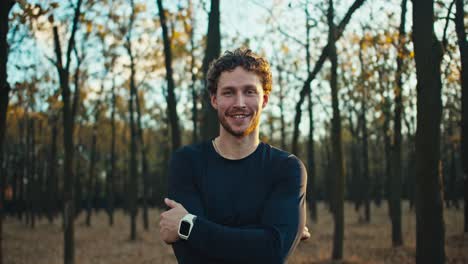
[{"x": 239, "y": 101}]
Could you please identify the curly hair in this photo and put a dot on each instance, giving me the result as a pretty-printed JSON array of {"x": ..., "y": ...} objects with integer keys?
[{"x": 244, "y": 58}]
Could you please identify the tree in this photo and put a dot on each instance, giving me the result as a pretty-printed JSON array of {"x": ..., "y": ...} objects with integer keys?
[
  {"x": 132, "y": 192},
  {"x": 52, "y": 177},
  {"x": 31, "y": 159},
  {"x": 110, "y": 182},
  {"x": 144, "y": 163},
  {"x": 463, "y": 46},
  {"x": 68, "y": 111},
  {"x": 364, "y": 130},
  {"x": 189, "y": 30},
  {"x": 396, "y": 172},
  {"x": 210, "y": 128},
  {"x": 281, "y": 96},
  {"x": 318, "y": 66},
  {"x": 171, "y": 100},
  {"x": 110, "y": 57},
  {"x": 5, "y": 7},
  {"x": 354, "y": 175},
  {"x": 92, "y": 182},
  {"x": 429, "y": 211},
  {"x": 311, "y": 189},
  {"x": 338, "y": 169}
]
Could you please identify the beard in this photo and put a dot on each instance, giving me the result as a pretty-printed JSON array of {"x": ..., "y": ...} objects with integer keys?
[{"x": 254, "y": 121}]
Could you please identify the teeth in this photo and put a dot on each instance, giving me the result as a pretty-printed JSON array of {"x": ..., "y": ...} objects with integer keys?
[{"x": 239, "y": 116}]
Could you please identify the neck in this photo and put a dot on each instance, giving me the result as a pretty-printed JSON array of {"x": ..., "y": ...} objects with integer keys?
[{"x": 231, "y": 147}]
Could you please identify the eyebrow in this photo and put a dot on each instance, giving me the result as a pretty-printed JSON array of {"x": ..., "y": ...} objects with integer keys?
[{"x": 230, "y": 87}]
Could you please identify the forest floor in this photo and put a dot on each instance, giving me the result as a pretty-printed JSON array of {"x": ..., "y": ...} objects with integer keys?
[{"x": 364, "y": 242}]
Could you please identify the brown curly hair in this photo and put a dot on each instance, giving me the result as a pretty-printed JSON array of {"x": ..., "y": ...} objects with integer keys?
[{"x": 244, "y": 58}]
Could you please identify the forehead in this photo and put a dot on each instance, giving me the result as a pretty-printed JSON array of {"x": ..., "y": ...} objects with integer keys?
[{"x": 238, "y": 78}]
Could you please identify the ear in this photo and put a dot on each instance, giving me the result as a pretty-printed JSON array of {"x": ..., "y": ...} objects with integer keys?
[
  {"x": 214, "y": 101},
  {"x": 266, "y": 97}
]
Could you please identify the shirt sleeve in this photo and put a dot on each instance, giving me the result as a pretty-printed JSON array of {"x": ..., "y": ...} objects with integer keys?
[
  {"x": 279, "y": 232},
  {"x": 182, "y": 189}
]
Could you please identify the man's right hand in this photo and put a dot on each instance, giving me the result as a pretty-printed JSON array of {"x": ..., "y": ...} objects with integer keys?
[{"x": 169, "y": 221}]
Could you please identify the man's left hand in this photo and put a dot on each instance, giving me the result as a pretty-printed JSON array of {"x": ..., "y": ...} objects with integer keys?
[
  {"x": 169, "y": 221},
  {"x": 305, "y": 233}
]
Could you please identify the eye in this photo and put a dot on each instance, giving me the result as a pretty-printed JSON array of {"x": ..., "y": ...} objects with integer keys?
[
  {"x": 251, "y": 92},
  {"x": 227, "y": 93}
]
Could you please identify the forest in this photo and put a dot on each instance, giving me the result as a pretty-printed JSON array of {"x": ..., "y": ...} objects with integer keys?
[{"x": 96, "y": 95}]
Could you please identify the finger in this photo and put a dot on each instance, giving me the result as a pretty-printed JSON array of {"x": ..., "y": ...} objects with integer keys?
[{"x": 170, "y": 203}]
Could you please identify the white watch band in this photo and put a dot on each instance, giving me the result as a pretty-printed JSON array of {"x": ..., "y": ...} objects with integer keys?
[{"x": 189, "y": 220}]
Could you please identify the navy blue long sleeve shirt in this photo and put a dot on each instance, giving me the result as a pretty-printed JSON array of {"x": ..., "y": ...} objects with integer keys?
[{"x": 250, "y": 210}]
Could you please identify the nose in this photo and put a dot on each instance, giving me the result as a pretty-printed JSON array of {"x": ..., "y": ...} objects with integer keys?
[{"x": 240, "y": 101}]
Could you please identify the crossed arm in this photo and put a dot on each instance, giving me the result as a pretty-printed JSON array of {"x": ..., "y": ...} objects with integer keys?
[{"x": 169, "y": 222}]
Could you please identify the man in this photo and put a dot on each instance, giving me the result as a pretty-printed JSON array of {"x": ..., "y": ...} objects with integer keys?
[{"x": 235, "y": 199}]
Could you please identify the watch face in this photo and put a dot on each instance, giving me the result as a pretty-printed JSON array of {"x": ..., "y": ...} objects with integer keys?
[{"x": 184, "y": 228}]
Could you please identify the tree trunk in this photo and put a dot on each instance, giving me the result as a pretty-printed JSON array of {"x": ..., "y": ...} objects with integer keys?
[
  {"x": 281, "y": 107},
  {"x": 338, "y": 169},
  {"x": 365, "y": 166},
  {"x": 78, "y": 184},
  {"x": 327, "y": 168},
  {"x": 210, "y": 128},
  {"x": 27, "y": 169},
  {"x": 40, "y": 200},
  {"x": 91, "y": 173},
  {"x": 68, "y": 120},
  {"x": 68, "y": 172},
  {"x": 318, "y": 66},
  {"x": 429, "y": 208},
  {"x": 354, "y": 174},
  {"x": 311, "y": 193},
  {"x": 194, "y": 92},
  {"x": 311, "y": 190},
  {"x": 387, "y": 140},
  {"x": 15, "y": 177},
  {"x": 410, "y": 187},
  {"x": 110, "y": 181},
  {"x": 5, "y": 8},
  {"x": 171, "y": 100},
  {"x": 388, "y": 148},
  {"x": 4, "y": 167},
  {"x": 32, "y": 183},
  {"x": 396, "y": 176},
  {"x": 452, "y": 181},
  {"x": 133, "y": 180},
  {"x": 190, "y": 32},
  {"x": 357, "y": 176},
  {"x": 132, "y": 192},
  {"x": 51, "y": 181},
  {"x": 21, "y": 169},
  {"x": 144, "y": 164},
  {"x": 365, "y": 148},
  {"x": 463, "y": 46}
]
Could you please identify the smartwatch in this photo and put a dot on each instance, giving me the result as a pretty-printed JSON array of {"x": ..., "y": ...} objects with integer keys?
[{"x": 186, "y": 225}]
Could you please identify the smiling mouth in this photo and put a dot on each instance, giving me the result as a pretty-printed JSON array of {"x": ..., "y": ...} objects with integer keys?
[{"x": 238, "y": 116}]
